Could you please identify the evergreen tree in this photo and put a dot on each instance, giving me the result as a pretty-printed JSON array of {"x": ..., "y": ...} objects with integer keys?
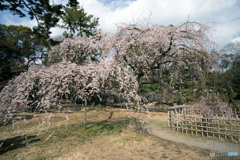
[
  {"x": 78, "y": 22},
  {"x": 47, "y": 14},
  {"x": 20, "y": 48}
]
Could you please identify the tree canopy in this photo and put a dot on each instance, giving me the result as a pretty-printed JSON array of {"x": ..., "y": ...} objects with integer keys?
[
  {"x": 47, "y": 14},
  {"x": 78, "y": 22},
  {"x": 20, "y": 49},
  {"x": 137, "y": 50},
  {"x": 225, "y": 79},
  {"x": 162, "y": 54}
]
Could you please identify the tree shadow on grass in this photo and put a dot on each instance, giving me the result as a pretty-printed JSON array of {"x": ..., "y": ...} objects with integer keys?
[
  {"x": 103, "y": 128},
  {"x": 16, "y": 142},
  {"x": 108, "y": 126},
  {"x": 15, "y": 117}
]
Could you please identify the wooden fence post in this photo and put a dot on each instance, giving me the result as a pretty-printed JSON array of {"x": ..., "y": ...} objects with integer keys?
[
  {"x": 195, "y": 119},
  {"x": 191, "y": 125},
  {"x": 182, "y": 119},
  {"x": 225, "y": 136},
  {"x": 206, "y": 121},
  {"x": 169, "y": 120},
  {"x": 219, "y": 135},
  {"x": 231, "y": 129},
  {"x": 177, "y": 120},
  {"x": 202, "y": 126},
  {"x": 173, "y": 123}
]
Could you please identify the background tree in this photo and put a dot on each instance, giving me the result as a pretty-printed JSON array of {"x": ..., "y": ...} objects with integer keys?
[
  {"x": 46, "y": 14},
  {"x": 224, "y": 80},
  {"x": 78, "y": 22},
  {"x": 20, "y": 49}
]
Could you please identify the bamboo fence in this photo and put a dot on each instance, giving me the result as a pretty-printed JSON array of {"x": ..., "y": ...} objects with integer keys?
[{"x": 187, "y": 122}]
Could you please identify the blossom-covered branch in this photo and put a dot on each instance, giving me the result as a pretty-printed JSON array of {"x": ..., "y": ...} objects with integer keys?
[{"x": 146, "y": 49}]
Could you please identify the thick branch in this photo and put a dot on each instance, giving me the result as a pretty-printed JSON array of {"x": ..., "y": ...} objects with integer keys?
[{"x": 34, "y": 13}]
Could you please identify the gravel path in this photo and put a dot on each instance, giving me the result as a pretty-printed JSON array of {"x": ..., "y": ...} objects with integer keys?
[{"x": 159, "y": 129}]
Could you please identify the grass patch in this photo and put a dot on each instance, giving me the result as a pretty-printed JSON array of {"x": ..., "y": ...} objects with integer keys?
[
  {"x": 108, "y": 135},
  {"x": 61, "y": 137},
  {"x": 128, "y": 140}
]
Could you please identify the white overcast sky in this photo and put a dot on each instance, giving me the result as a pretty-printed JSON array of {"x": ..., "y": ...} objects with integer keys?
[{"x": 223, "y": 16}]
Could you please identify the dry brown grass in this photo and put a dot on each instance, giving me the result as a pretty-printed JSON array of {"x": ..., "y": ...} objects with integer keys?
[
  {"x": 111, "y": 134},
  {"x": 135, "y": 146}
]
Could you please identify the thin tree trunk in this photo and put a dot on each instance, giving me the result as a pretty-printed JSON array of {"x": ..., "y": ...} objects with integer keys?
[{"x": 85, "y": 114}]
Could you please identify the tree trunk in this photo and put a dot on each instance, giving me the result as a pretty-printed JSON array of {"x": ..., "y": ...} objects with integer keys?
[{"x": 85, "y": 114}]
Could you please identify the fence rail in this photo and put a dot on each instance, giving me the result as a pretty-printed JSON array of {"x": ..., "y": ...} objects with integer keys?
[{"x": 188, "y": 122}]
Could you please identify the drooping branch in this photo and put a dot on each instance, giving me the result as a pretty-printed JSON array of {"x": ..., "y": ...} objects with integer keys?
[{"x": 145, "y": 49}]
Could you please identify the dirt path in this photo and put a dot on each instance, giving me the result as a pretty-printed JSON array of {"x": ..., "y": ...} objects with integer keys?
[{"x": 159, "y": 129}]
